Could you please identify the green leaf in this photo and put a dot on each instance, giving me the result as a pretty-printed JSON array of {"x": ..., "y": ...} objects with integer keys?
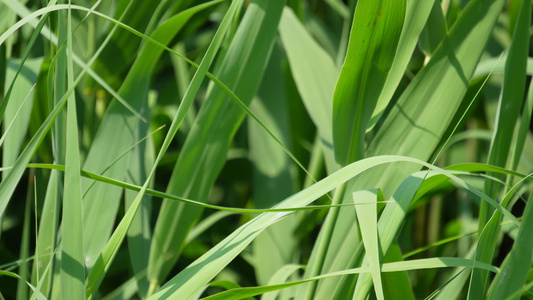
[
  {"x": 416, "y": 15},
  {"x": 139, "y": 234},
  {"x": 280, "y": 276},
  {"x": 11, "y": 274},
  {"x": 515, "y": 267},
  {"x": 511, "y": 100},
  {"x": 201, "y": 271},
  {"x": 46, "y": 236},
  {"x": 116, "y": 134},
  {"x": 72, "y": 258},
  {"x": 315, "y": 75},
  {"x": 107, "y": 254},
  {"x": 204, "y": 152},
  {"x": 367, "y": 216},
  {"x": 435, "y": 30},
  {"x": 272, "y": 178},
  {"x": 438, "y": 262},
  {"x": 28, "y": 18},
  {"x": 18, "y": 110},
  {"x": 374, "y": 37},
  {"x": 418, "y": 120},
  {"x": 396, "y": 285}
]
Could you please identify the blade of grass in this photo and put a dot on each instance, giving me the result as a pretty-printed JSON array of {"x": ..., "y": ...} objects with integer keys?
[
  {"x": 116, "y": 134},
  {"x": 280, "y": 276},
  {"x": 22, "y": 291},
  {"x": 11, "y": 274},
  {"x": 435, "y": 30},
  {"x": 515, "y": 268},
  {"x": 204, "y": 152},
  {"x": 396, "y": 285},
  {"x": 72, "y": 262},
  {"x": 367, "y": 216},
  {"x": 159, "y": 194},
  {"x": 109, "y": 251},
  {"x": 497, "y": 66},
  {"x": 416, "y": 15},
  {"x": 27, "y": 17},
  {"x": 272, "y": 177},
  {"x": 511, "y": 100},
  {"x": 419, "y": 264},
  {"x": 420, "y": 117},
  {"x": 373, "y": 40},
  {"x": 18, "y": 110},
  {"x": 425, "y": 188},
  {"x": 139, "y": 234},
  {"x": 314, "y": 73},
  {"x": 523, "y": 129},
  {"x": 196, "y": 275},
  {"x": 46, "y": 237}
]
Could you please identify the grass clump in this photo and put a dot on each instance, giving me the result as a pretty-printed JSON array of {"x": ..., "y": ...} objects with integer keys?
[{"x": 296, "y": 149}]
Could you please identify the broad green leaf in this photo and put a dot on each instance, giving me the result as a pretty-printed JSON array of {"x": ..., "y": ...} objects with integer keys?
[
  {"x": 314, "y": 73},
  {"x": 72, "y": 262},
  {"x": 374, "y": 37},
  {"x": 367, "y": 216},
  {"x": 204, "y": 152}
]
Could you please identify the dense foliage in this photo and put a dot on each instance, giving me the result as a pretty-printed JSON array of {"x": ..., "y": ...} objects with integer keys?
[{"x": 282, "y": 149}]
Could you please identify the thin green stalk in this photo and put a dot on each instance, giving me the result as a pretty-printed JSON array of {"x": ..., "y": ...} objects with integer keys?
[{"x": 324, "y": 240}]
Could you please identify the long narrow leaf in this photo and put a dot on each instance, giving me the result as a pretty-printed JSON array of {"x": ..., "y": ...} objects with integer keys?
[{"x": 373, "y": 40}]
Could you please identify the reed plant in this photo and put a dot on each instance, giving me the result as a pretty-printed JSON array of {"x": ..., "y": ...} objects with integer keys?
[{"x": 281, "y": 149}]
